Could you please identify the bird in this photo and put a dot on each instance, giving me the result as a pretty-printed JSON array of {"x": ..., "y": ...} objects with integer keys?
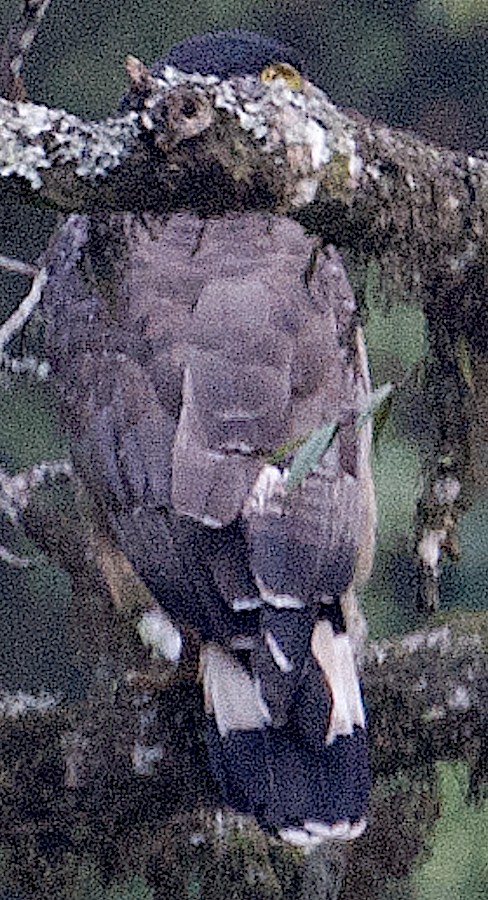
[{"x": 196, "y": 351}]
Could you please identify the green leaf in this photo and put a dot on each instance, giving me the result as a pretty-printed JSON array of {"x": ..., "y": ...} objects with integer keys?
[
  {"x": 310, "y": 453},
  {"x": 284, "y": 450},
  {"x": 463, "y": 359},
  {"x": 379, "y": 404},
  {"x": 311, "y": 449},
  {"x": 380, "y": 419}
]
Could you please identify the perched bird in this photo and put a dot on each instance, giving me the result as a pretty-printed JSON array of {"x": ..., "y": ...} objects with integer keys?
[{"x": 189, "y": 349}]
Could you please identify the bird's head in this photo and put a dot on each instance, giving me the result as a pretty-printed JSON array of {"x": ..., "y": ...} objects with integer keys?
[
  {"x": 223, "y": 55},
  {"x": 226, "y": 54},
  {"x": 233, "y": 53}
]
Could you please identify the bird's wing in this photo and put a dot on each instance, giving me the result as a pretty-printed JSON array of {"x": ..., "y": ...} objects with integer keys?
[
  {"x": 189, "y": 353},
  {"x": 194, "y": 357}
]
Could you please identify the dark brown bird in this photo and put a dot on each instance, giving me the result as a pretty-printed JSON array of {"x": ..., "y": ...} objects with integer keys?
[{"x": 221, "y": 344}]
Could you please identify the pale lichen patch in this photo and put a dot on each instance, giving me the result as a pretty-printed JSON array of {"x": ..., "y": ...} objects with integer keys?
[
  {"x": 453, "y": 203},
  {"x": 410, "y": 181},
  {"x": 373, "y": 170},
  {"x": 429, "y": 549},
  {"x": 439, "y": 638},
  {"x": 459, "y": 699},
  {"x": 413, "y": 642},
  {"x": 34, "y": 138},
  {"x": 20, "y": 703},
  {"x": 434, "y": 714},
  {"x": 380, "y": 653}
]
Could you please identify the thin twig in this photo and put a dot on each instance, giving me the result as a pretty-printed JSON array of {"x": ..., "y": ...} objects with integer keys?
[
  {"x": 12, "y": 706},
  {"x": 18, "y": 266},
  {"x": 18, "y": 562},
  {"x": 16, "y": 490},
  {"x": 24, "y": 311},
  {"x": 16, "y": 46}
]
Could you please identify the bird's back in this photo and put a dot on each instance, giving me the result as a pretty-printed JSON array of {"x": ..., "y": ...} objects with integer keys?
[{"x": 194, "y": 357}]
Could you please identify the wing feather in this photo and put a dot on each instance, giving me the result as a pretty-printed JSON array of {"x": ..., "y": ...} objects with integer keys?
[
  {"x": 218, "y": 342},
  {"x": 193, "y": 357}
]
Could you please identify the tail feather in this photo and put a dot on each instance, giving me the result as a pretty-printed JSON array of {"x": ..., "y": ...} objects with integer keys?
[
  {"x": 279, "y": 656},
  {"x": 334, "y": 655},
  {"x": 312, "y": 708},
  {"x": 290, "y": 777},
  {"x": 230, "y": 694}
]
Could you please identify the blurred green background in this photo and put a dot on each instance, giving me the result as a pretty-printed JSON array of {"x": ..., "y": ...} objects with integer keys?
[{"x": 417, "y": 64}]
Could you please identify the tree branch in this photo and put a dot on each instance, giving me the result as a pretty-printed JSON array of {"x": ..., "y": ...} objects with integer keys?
[
  {"x": 426, "y": 695},
  {"x": 17, "y": 266},
  {"x": 135, "y": 742},
  {"x": 23, "y": 312},
  {"x": 17, "y": 45},
  {"x": 16, "y": 490},
  {"x": 419, "y": 209}
]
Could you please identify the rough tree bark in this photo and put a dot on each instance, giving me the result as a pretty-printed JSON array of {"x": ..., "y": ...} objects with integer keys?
[{"x": 417, "y": 208}]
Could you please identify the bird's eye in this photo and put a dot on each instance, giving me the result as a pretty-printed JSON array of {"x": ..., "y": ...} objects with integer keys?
[{"x": 282, "y": 70}]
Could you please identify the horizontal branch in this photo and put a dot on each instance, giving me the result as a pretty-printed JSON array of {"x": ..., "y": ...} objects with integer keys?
[
  {"x": 132, "y": 767},
  {"x": 427, "y": 693},
  {"x": 419, "y": 209},
  {"x": 136, "y": 743},
  {"x": 59, "y": 155},
  {"x": 426, "y": 696},
  {"x": 14, "y": 705},
  {"x": 16, "y": 490},
  {"x": 17, "y": 266}
]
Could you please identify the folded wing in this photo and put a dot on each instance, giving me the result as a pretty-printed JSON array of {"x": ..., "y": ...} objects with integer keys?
[{"x": 194, "y": 356}]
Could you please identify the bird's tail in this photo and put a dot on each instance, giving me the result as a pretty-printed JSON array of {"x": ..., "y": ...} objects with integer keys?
[{"x": 309, "y": 777}]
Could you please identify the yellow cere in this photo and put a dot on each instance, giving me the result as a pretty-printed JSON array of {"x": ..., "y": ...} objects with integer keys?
[{"x": 282, "y": 70}]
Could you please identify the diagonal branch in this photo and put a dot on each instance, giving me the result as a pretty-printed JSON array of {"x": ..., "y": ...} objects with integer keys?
[
  {"x": 23, "y": 312},
  {"x": 17, "y": 266},
  {"x": 12, "y": 559},
  {"x": 16, "y": 490},
  {"x": 17, "y": 45}
]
